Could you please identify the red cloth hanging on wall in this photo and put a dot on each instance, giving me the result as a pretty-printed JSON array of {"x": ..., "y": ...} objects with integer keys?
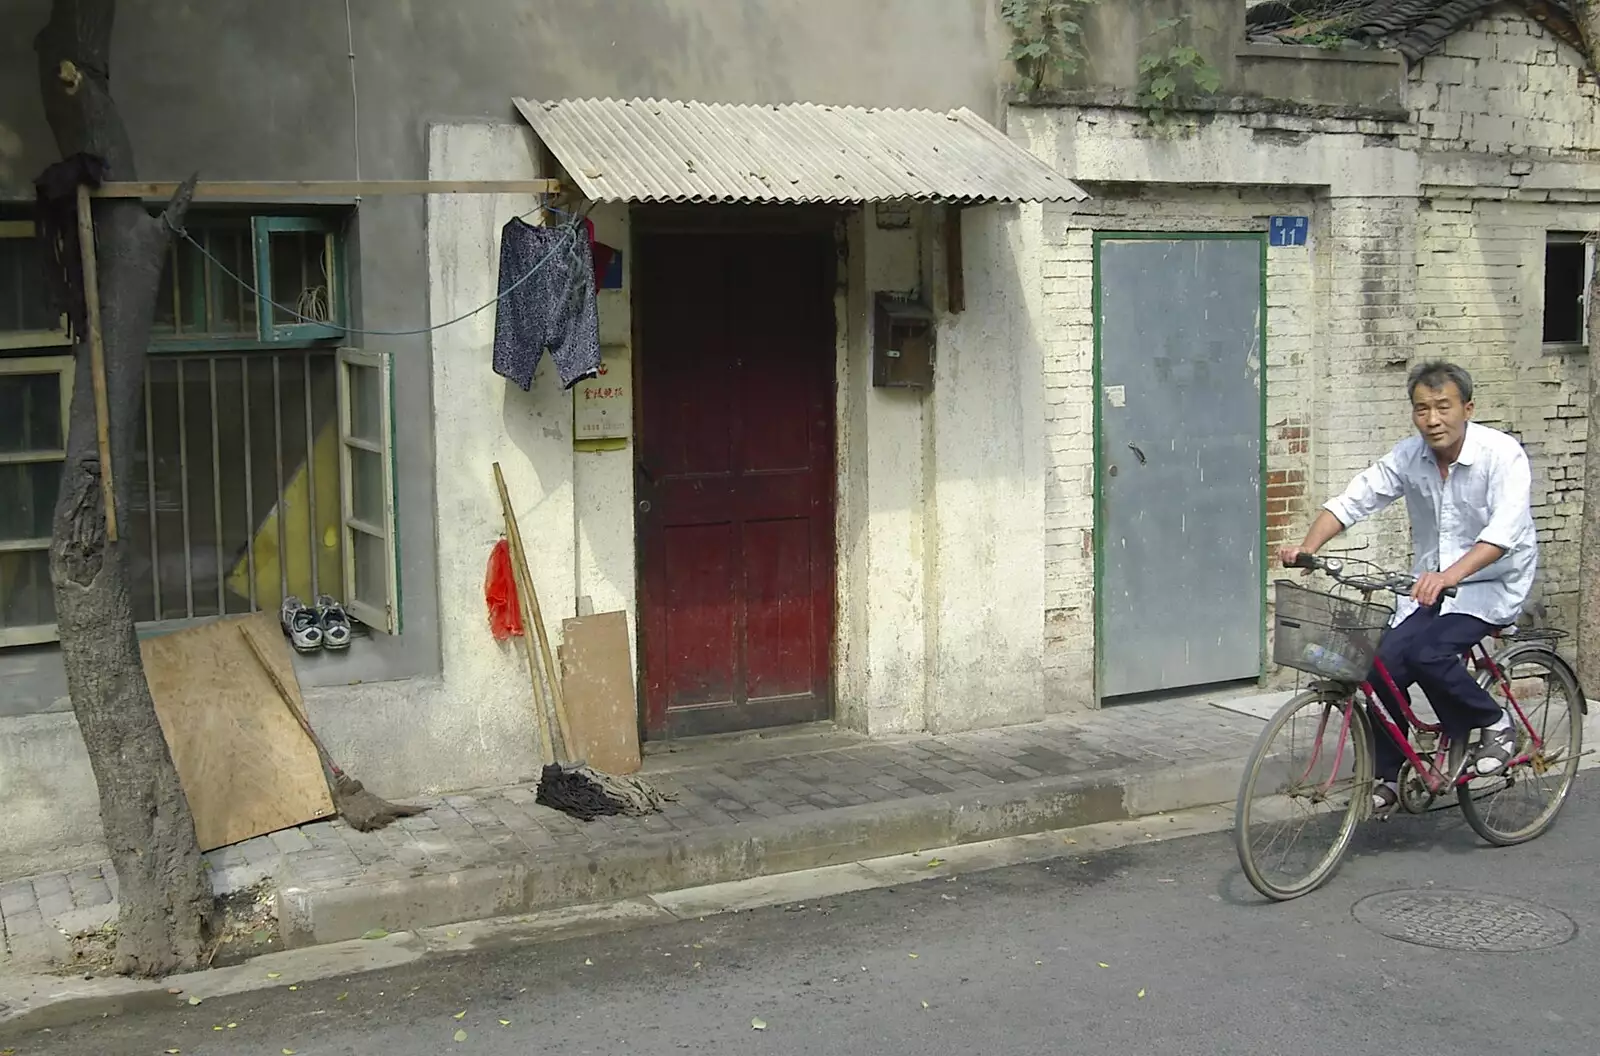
[{"x": 500, "y": 594}]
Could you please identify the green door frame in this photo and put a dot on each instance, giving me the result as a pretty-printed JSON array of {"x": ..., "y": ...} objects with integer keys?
[{"x": 1101, "y": 237}]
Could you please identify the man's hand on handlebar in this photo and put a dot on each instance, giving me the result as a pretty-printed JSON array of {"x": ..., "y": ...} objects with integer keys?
[
  {"x": 1296, "y": 557},
  {"x": 1430, "y": 587}
]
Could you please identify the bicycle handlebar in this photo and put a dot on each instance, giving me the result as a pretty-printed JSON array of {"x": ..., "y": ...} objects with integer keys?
[{"x": 1399, "y": 583}]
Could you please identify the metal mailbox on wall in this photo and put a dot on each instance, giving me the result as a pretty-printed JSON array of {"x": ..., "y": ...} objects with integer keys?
[{"x": 902, "y": 343}]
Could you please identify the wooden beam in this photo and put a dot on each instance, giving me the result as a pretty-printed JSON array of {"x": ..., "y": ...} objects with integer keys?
[
  {"x": 97, "y": 358},
  {"x": 248, "y": 190},
  {"x": 954, "y": 266}
]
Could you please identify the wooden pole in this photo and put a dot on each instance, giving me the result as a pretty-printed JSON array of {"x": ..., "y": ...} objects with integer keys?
[
  {"x": 519, "y": 573},
  {"x": 519, "y": 561},
  {"x": 97, "y": 357},
  {"x": 246, "y": 190}
]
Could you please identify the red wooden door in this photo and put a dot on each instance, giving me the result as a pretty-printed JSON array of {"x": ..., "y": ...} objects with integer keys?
[{"x": 735, "y": 479}]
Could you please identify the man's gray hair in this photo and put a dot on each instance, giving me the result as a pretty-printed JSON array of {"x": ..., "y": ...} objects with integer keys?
[{"x": 1434, "y": 374}]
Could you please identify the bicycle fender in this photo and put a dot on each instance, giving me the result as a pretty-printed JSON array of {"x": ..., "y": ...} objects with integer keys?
[{"x": 1559, "y": 661}]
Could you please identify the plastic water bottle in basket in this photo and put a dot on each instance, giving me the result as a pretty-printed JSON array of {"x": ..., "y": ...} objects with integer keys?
[{"x": 1325, "y": 635}]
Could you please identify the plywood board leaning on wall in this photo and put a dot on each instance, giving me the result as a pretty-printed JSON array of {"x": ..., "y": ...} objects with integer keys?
[
  {"x": 597, "y": 681},
  {"x": 245, "y": 765}
]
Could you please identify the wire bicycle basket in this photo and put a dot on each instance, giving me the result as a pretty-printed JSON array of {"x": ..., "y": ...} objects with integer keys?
[{"x": 1324, "y": 634}]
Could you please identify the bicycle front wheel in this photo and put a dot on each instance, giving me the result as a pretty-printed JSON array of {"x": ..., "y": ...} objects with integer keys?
[
  {"x": 1307, "y": 785},
  {"x": 1520, "y": 803}
]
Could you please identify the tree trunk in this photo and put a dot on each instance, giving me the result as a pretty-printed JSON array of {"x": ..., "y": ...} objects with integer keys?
[
  {"x": 1588, "y": 18},
  {"x": 165, "y": 894}
]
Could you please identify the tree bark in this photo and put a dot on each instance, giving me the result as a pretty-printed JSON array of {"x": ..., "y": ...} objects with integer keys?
[
  {"x": 1587, "y": 13},
  {"x": 165, "y": 893}
]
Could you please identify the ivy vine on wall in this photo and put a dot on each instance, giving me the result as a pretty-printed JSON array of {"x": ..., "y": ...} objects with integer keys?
[
  {"x": 1046, "y": 41},
  {"x": 1172, "y": 69}
]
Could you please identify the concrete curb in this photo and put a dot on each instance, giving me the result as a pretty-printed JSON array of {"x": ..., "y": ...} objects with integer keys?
[
  {"x": 32, "y": 1003},
  {"x": 312, "y": 916}
]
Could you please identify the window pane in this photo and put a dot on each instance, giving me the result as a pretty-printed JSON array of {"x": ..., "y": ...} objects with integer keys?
[
  {"x": 300, "y": 278},
  {"x": 372, "y": 572},
  {"x": 30, "y": 413},
  {"x": 26, "y": 599},
  {"x": 366, "y": 402},
  {"x": 24, "y": 295},
  {"x": 1563, "y": 291},
  {"x": 28, "y": 499},
  {"x": 197, "y": 298},
  {"x": 366, "y": 487}
]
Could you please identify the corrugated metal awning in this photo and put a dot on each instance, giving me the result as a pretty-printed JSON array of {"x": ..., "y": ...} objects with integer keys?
[{"x": 647, "y": 150}]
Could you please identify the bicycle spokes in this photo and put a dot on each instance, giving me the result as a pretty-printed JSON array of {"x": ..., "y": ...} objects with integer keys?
[
  {"x": 1308, "y": 781},
  {"x": 1543, "y": 699}
]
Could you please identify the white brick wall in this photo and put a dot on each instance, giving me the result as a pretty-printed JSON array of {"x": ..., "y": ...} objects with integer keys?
[
  {"x": 1480, "y": 282},
  {"x": 1506, "y": 86}
]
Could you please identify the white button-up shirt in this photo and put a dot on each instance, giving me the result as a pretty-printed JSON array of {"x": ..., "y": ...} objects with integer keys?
[{"x": 1487, "y": 498}]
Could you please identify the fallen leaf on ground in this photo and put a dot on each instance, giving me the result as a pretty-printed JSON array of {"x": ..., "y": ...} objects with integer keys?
[
  {"x": 294, "y": 988},
  {"x": 1068, "y": 839},
  {"x": 341, "y": 997},
  {"x": 587, "y": 961},
  {"x": 274, "y": 975},
  {"x": 505, "y": 1022},
  {"x": 460, "y": 1015},
  {"x": 924, "y": 1004},
  {"x": 1036, "y": 963},
  {"x": 376, "y": 933},
  {"x": 758, "y": 1023},
  {"x": 233, "y": 1026},
  {"x": 912, "y": 956},
  {"x": 452, "y": 934},
  {"x": 288, "y": 1052},
  {"x": 935, "y": 862},
  {"x": 216, "y": 1028},
  {"x": 1141, "y": 993},
  {"x": 461, "y": 1035},
  {"x": 194, "y": 1000},
  {"x": 1103, "y": 964}
]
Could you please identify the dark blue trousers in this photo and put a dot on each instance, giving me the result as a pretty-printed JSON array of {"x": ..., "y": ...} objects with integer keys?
[{"x": 1426, "y": 650}]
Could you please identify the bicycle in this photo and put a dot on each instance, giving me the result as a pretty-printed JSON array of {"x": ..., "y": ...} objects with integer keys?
[{"x": 1334, "y": 638}]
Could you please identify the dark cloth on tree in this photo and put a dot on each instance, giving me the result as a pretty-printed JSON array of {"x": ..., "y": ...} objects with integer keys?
[{"x": 55, "y": 224}]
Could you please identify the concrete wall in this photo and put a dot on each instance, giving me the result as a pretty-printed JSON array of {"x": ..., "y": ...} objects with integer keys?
[
  {"x": 261, "y": 90},
  {"x": 1116, "y": 37}
]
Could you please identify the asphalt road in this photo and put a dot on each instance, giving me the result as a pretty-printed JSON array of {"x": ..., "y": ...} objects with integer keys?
[{"x": 1158, "y": 948}]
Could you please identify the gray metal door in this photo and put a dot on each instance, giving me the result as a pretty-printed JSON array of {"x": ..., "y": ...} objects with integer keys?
[{"x": 1179, "y": 522}]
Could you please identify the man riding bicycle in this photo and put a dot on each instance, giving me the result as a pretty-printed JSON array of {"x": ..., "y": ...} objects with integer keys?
[{"x": 1468, "y": 492}]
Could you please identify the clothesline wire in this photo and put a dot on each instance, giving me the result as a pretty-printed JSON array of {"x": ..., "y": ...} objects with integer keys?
[{"x": 568, "y": 240}]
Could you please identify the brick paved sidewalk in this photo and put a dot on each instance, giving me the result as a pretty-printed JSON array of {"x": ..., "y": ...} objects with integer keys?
[{"x": 777, "y": 786}]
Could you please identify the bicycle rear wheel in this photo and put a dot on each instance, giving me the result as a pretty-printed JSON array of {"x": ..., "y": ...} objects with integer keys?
[
  {"x": 1521, "y": 803},
  {"x": 1308, "y": 782}
]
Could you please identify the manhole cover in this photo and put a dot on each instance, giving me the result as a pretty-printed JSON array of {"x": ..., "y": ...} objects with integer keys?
[{"x": 1463, "y": 920}]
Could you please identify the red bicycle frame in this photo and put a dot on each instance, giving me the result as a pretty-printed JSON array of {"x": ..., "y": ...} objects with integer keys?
[{"x": 1432, "y": 773}]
